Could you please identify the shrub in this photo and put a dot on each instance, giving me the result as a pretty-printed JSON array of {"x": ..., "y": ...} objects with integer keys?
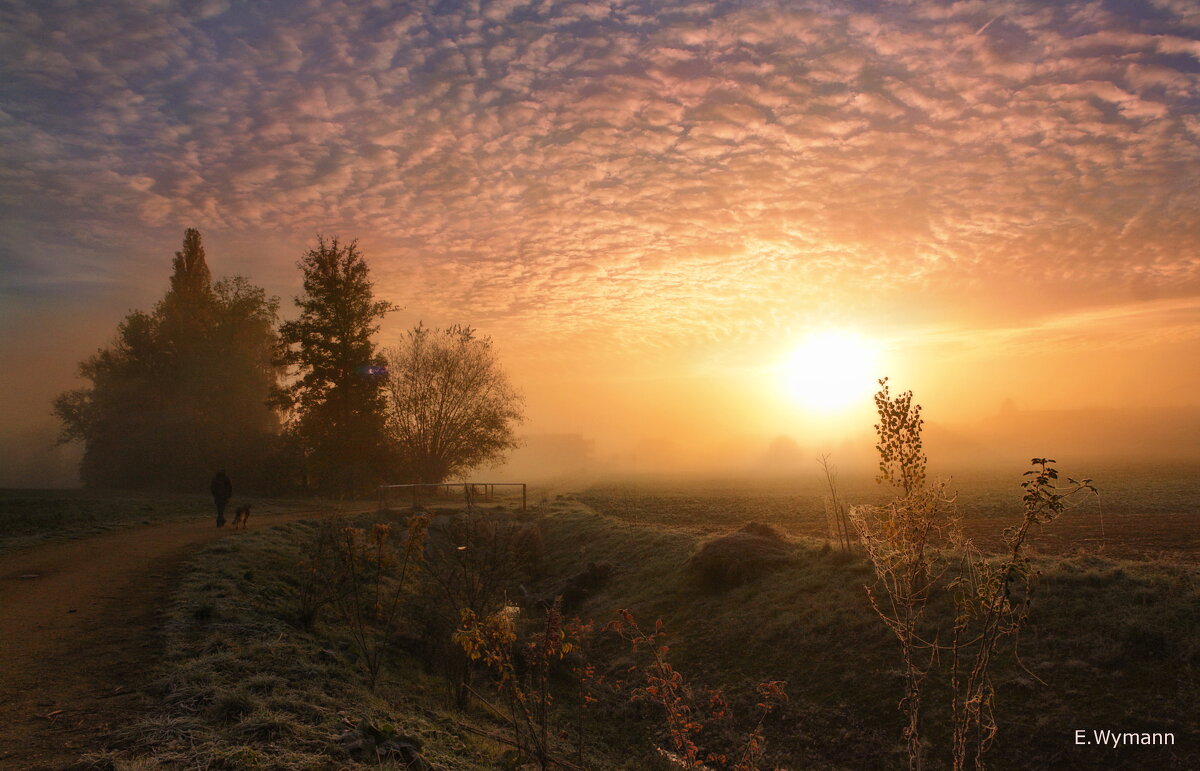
[
  {"x": 579, "y": 587},
  {"x": 733, "y": 559},
  {"x": 909, "y": 543},
  {"x": 687, "y": 716},
  {"x": 369, "y": 583},
  {"x": 521, "y": 676},
  {"x": 994, "y": 599},
  {"x": 473, "y": 561}
]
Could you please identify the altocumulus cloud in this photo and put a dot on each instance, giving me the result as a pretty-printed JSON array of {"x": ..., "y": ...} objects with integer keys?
[{"x": 620, "y": 166}]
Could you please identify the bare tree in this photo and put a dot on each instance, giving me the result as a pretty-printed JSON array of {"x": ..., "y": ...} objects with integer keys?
[{"x": 450, "y": 408}]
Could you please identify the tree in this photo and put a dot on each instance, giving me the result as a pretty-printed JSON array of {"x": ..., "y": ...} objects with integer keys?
[
  {"x": 182, "y": 390},
  {"x": 243, "y": 426},
  {"x": 184, "y": 322},
  {"x": 186, "y": 314},
  {"x": 118, "y": 416},
  {"x": 337, "y": 400},
  {"x": 450, "y": 407}
]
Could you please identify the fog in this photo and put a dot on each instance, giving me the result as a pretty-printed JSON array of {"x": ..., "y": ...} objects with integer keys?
[
  {"x": 1080, "y": 440},
  {"x": 1004, "y": 442},
  {"x": 689, "y": 424}
]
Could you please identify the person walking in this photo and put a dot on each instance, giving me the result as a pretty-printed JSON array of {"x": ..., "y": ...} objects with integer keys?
[{"x": 222, "y": 491}]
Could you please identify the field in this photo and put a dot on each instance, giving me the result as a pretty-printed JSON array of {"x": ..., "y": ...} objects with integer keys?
[
  {"x": 240, "y": 687},
  {"x": 240, "y": 683},
  {"x": 29, "y": 517},
  {"x": 1139, "y": 513},
  {"x": 1113, "y": 641}
]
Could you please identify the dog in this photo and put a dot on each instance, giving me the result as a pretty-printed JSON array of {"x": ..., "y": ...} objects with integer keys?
[{"x": 241, "y": 516}]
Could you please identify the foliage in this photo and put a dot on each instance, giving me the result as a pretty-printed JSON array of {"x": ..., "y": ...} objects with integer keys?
[
  {"x": 770, "y": 694},
  {"x": 200, "y": 365},
  {"x": 521, "y": 674},
  {"x": 188, "y": 307},
  {"x": 243, "y": 428},
  {"x": 521, "y": 668},
  {"x": 907, "y": 542},
  {"x": 1103, "y": 626},
  {"x": 368, "y": 585},
  {"x": 473, "y": 562},
  {"x": 901, "y": 458},
  {"x": 900, "y": 539},
  {"x": 248, "y": 690},
  {"x": 336, "y": 400},
  {"x": 664, "y": 685},
  {"x": 450, "y": 407},
  {"x": 989, "y": 610}
]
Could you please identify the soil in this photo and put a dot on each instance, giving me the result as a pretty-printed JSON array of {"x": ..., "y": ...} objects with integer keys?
[{"x": 80, "y": 633}]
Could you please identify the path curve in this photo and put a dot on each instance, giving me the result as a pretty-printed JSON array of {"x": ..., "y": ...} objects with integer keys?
[{"x": 80, "y": 632}]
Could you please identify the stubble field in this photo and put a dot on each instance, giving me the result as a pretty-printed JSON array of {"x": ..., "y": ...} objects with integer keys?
[{"x": 1139, "y": 512}]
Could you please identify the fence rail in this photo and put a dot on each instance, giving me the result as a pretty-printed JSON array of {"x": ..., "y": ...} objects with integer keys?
[{"x": 470, "y": 489}]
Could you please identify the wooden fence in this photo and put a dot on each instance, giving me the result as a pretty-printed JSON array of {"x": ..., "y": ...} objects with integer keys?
[{"x": 486, "y": 490}]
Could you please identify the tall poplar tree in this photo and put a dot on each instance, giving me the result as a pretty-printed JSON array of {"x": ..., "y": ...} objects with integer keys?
[
  {"x": 185, "y": 322},
  {"x": 336, "y": 400}
]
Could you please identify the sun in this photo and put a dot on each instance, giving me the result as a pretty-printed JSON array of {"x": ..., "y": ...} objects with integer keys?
[{"x": 831, "y": 371}]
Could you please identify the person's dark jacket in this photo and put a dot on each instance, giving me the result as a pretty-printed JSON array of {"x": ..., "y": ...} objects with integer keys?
[{"x": 222, "y": 488}]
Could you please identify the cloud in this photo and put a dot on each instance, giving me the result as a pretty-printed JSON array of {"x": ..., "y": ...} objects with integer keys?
[{"x": 589, "y": 169}]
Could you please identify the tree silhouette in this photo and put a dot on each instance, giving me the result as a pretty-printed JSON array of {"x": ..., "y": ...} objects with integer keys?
[
  {"x": 336, "y": 400},
  {"x": 118, "y": 416},
  {"x": 450, "y": 407},
  {"x": 191, "y": 289},
  {"x": 243, "y": 426},
  {"x": 186, "y": 318},
  {"x": 181, "y": 390}
]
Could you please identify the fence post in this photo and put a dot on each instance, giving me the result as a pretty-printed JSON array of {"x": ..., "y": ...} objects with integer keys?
[{"x": 522, "y": 496}]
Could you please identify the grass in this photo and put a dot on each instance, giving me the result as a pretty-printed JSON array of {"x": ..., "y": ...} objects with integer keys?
[
  {"x": 1142, "y": 513},
  {"x": 1113, "y": 640},
  {"x": 32, "y": 517},
  {"x": 242, "y": 686}
]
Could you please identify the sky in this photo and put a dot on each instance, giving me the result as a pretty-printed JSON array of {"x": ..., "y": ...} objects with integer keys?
[{"x": 649, "y": 206}]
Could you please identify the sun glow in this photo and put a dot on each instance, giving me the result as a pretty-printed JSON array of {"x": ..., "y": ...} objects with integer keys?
[{"x": 831, "y": 371}]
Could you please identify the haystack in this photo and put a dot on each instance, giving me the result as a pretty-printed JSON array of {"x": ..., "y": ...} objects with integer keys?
[{"x": 740, "y": 557}]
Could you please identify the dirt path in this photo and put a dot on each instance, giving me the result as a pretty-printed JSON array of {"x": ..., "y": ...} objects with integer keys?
[{"x": 79, "y": 633}]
